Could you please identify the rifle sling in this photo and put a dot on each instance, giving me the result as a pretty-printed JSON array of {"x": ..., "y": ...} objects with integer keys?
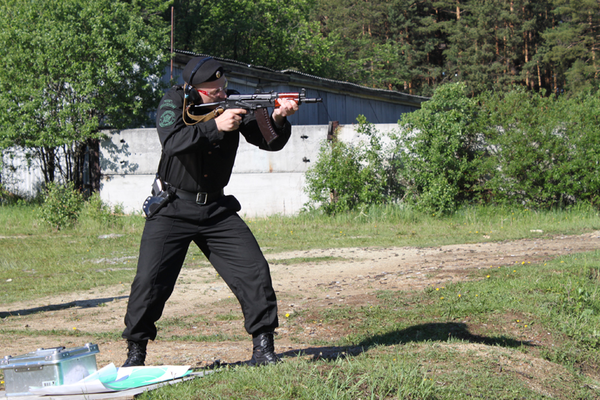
[
  {"x": 199, "y": 118},
  {"x": 264, "y": 123}
]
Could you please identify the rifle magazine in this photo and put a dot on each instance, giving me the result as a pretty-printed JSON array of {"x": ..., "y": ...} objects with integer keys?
[{"x": 264, "y": 123}]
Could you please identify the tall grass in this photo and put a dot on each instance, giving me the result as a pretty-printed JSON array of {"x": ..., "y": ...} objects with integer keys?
[
  {"x": 403, "y": 226},
  {"x": 37, "y": 261}
]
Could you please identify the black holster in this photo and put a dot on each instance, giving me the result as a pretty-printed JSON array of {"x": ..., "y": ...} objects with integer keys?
[{"x": 161, "y": 195}]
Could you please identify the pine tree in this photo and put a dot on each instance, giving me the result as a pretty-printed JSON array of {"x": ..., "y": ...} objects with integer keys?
[
  {"x": 574, "y": 43},
  {"x": 416, "y": 31}
]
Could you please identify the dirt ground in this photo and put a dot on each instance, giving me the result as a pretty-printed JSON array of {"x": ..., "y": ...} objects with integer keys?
[{"x": 201, "y": 297}]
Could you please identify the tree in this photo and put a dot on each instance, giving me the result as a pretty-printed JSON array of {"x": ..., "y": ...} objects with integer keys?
[
  {"x": 416, "y": 45},
  {"x": 415, "y": 29},
  {"x": 491, "y": 41},
  {"x": 372, "y": 57},
  {"x": 574, "y": 44},
  {"x": 271, "y": 33},
  {"x": 73, "y": 67}
]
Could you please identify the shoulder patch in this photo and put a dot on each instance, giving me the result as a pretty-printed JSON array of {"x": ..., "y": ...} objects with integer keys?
[
  {"x": 167, "y": 119},
  {"x": 168, "y": 103}
]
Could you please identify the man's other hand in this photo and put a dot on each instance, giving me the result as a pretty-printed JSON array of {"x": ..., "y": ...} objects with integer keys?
[{"x": 285, "y": 109}]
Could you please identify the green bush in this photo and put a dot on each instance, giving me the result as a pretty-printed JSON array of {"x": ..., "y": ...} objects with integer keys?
[
  {"x": 544, "y": 152},
  {"x": 96, "y": 211},
  {"x": 513, "y": 148},
  {"x": 61, "y": 206},
  {"x": 441, "y": 151},
  {"x": 349, "y": 176}
]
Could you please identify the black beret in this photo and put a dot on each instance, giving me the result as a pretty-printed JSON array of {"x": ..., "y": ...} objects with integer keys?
[{"x": 207, "y": 69}]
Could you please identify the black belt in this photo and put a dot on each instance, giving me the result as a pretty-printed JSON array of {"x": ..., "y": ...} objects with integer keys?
[{"x": 199, "y": 197}]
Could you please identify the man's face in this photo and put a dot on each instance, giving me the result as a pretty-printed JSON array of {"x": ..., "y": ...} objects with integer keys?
[{"x": 212, "y": 92}]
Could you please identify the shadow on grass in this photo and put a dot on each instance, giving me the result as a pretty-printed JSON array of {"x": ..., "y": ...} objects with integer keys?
[
  {"x": 440, "y": 332},
  {"x": 55, "y": 307},
  {"x": 431, "y": 332}
]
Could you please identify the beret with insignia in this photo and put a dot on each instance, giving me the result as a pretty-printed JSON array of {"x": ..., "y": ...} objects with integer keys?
[{"x": 202, "y": 69}]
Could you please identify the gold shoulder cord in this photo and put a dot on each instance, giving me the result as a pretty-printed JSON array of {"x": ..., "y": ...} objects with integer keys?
[{"x": 199, "y": 118}]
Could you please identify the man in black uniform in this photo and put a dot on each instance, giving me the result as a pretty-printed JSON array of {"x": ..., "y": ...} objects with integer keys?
[{"x": 196, "y": 164}]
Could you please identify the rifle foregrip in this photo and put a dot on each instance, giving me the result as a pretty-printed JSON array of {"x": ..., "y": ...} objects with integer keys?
[{"x": 287, "y": 96}]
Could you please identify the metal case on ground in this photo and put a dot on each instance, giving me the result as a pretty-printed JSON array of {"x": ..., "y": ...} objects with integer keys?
[{"x": 47, "y": 367}]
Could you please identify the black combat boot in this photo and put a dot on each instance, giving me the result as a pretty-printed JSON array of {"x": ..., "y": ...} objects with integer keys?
[
  {"x": 136, "y": 353},
  {"x": 263, "y": 352}
]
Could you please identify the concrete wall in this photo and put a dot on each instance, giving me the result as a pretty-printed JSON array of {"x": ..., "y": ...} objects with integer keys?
[
  {"x": 20, "y": 174},
  {"x": 265, "y": 183}
]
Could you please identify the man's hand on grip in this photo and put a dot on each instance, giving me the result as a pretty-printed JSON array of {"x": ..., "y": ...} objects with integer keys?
[{"x": 230, "y": 120}]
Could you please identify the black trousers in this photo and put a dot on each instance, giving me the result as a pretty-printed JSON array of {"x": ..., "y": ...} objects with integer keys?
[{"x": 228, "y": 244}]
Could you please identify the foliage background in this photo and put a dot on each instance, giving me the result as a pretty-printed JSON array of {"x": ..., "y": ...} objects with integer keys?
[
  {"x": 518, "y": 148},
  {"x": 408, "y": 45},
  {"x": 71, "y": 68},
  {"x": 514, "y": 109}
]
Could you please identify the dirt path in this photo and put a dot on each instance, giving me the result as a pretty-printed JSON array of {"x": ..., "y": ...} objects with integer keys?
[{"x": 201, "y": 299}]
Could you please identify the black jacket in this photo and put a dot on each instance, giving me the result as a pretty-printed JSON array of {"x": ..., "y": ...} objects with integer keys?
[{"x": 199, "y": 158}]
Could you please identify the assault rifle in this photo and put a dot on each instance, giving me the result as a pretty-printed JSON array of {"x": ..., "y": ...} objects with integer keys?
[{"x": 256, "y": 104}]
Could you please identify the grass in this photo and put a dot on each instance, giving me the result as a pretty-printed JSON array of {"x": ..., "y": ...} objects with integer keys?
[
  {"x": 394, "y": 226},
  {"x": 514, "y": 332},
  {"x": 338, "y": 379},
  {"x": 524, "y": 331}
]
